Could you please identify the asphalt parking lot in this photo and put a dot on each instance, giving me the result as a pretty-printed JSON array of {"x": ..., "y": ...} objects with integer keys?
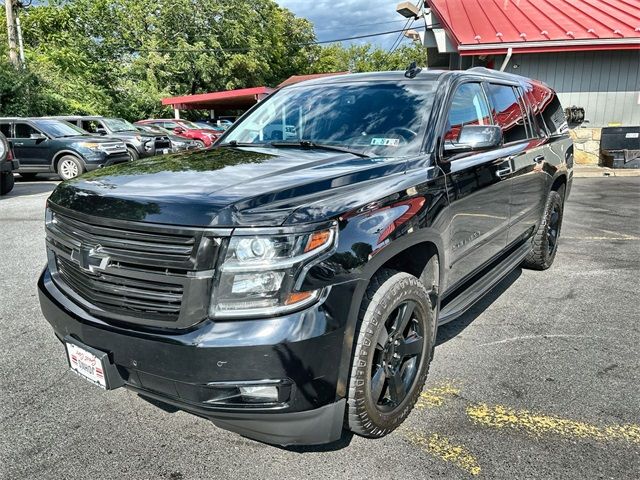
[{"x": 541, "y": 379}]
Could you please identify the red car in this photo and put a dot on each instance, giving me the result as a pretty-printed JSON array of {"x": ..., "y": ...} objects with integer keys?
[{"x": 186, "y": 129}]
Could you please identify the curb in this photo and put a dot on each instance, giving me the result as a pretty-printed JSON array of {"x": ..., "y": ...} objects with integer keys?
[{"x": 588, "y": 171}]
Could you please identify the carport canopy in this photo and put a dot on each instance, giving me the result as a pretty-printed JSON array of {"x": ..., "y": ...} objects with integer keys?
[{"x": 241, "y": 99}]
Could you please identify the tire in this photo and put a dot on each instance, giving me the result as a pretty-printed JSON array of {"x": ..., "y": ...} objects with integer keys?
[
  {"x": 200, "y": 143},
  {"x": 133, "y": 154},
  {"x": 380, "y": 361},
  {"x": 545, "y": 241},
  {"x": 28, "y": 176},
  {"x": 69, "y": 167},
  {"x": 6, "y": 182}
]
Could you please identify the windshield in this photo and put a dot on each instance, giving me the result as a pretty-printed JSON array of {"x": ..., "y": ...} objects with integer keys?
[
  {"x": 154, "y": 129},
  {"x": 58, "y": 128},
  {"x": 188, "y": 124},
  {"x": 384, "y": 119},
  {"x": 118, "y": 124}
]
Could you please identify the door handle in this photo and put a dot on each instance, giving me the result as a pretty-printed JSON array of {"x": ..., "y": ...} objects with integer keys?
[
  {"x": 18, "y": 144},
  {"x": 503, "y": 172},
  {"x": 538, "y": 159}
]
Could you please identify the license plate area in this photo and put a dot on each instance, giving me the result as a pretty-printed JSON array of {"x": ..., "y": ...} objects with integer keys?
[{"x": 92, "y": 365}]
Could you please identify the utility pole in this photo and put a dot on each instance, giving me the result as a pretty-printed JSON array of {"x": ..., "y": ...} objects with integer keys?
[{"x": 11, "y": 30}]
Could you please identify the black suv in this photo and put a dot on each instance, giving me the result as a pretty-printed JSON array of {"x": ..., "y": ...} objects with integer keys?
[
  {"x": 139, "y": 144},
  {"x": 287, "y": 288},
  {"x": 52, "y": 146},
  {"x": 7, "y": 165}
]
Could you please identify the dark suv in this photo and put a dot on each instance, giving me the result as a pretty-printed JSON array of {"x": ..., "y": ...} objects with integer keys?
[
  {"x": 286, "y": 289},
  {"x": 7, "y": 165},
  {"x": 139, "y": 144},
  {"x": 53, "y": 146}
]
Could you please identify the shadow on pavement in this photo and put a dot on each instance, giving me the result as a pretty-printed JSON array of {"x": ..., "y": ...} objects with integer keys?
[
  {"x": 452, "y": 329},
  {"x": 41, "y": 184}
]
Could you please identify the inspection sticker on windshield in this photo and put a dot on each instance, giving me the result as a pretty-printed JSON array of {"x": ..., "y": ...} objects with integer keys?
[{"x": 385, "y": 142}]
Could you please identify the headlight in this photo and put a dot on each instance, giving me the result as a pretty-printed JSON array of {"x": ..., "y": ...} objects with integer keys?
[
  {"x": 91, "y": 145},
  {"x": 260, "y": 274}
]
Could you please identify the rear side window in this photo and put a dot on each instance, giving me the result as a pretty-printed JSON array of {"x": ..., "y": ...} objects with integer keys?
[
  {"x": 507, "y": 112},
  {"x": 468, "y": 107},
  {"x": 554, "y": 116},
  {"x": 24, "y": 130},
  {"x": 5, "y": 129}
]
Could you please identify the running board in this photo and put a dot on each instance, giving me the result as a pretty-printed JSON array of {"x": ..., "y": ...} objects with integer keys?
[{"x": 465, "y": 300}]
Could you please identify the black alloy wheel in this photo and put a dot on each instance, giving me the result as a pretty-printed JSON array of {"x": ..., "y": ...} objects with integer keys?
[
  {"x": 395, "y": 362},
  {"x": 545, "y": 241},
  {"x": 392, "y": 353}
]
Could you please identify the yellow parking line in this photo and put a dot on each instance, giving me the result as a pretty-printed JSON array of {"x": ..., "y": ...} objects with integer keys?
[
  {"x": 436, "y": 396},
  {"x": 442, "y": 448},
  {"x": 498, "y": 416}
]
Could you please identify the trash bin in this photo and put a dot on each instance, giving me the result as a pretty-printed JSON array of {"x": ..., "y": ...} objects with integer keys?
[{"x": 620, "y": 147}]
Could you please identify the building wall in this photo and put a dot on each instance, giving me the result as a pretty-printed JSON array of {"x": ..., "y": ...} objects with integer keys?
[{"x": 606, "y": 84}]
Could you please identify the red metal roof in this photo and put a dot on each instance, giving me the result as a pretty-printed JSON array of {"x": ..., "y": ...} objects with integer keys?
[
  {"x": 240, "y": 99},
  {"x": 492, "y": 26}
]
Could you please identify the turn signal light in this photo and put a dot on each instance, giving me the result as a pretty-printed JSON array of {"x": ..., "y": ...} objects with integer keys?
[{"x": 317, "y": 239}]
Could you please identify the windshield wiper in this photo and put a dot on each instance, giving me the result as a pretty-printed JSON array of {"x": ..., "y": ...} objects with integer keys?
[
  {"x": 308, "y": 144},
  {"x": 235, "y": 143}
]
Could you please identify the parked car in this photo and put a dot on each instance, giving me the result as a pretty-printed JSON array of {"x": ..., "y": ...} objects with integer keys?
[
  {"x": 210, "y": 126},
  {"x": 54, "y": 146},
  {"x": 7, "y": 165},
  {"x": 289, "y": 289},
  {"x": 139, "y": 145},
  {"x": 178, "y": 143},
  {"x": 204, "y": 137}
]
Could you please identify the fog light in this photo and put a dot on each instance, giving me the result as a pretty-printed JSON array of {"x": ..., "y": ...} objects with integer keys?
[{"x": 260, "y": 393}]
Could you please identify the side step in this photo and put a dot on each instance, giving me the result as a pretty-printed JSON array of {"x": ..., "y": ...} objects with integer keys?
[{"x": 465, "y": 300}]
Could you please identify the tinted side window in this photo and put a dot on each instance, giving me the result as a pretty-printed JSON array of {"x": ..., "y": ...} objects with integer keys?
[
  {"x": 507, "y": 112},
  {"x": 170, "y": 125},
  {"x": 5, "y": 129},
  {"x": 24, "y": 130},
  {"x": 468, "y": 107},
  {"x": 554, "y": 117}
]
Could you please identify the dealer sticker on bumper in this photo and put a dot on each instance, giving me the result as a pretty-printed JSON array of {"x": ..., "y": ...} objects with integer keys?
[{"x": 86, "y": 364}]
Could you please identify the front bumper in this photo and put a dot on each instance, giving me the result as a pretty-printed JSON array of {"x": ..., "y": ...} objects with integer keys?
[
  {"x": 186, "y": 369},
  {"x": 9, "y": 166},
  {"x": 101, "y": 160}
]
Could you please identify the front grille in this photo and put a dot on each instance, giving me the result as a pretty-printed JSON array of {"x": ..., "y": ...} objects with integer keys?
[
  {"x": 114, "y": 148},
  {"x": 133, "y": 272},
  {"x": 162, "y": 143},
  {"x": 121, "y": 294}
]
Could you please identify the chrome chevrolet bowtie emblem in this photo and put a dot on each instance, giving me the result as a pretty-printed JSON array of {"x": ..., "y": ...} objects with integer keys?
[{"x": 90, "y": 259}]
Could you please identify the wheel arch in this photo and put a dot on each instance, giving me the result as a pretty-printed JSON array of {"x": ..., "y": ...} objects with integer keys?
[
  {"x": 411, "y": 255},
  {"x": 558, "y": 182}
]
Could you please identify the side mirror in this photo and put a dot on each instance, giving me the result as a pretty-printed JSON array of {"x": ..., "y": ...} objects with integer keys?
[
  {"x": 39, "y": 137},
  {"x": 475, "y": 138},
  {"x": 178, "y": 130},
  {"x": 101, "y": 131}
]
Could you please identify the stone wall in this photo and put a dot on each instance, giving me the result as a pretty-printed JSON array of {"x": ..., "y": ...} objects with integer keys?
[{"x": 586, "y": 142}]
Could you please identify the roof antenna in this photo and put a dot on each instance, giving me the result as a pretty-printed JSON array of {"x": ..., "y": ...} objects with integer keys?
[{"x": 413, "y": 70}]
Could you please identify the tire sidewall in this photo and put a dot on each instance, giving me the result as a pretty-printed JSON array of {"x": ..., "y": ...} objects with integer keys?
[
  {"x": 394, "y": 291},
  {"x": 133, "y": 154},
  {"x": 555, "y": 199},
  {"x": 7, "y": 182},
  {"x": 74, "y": 160}
]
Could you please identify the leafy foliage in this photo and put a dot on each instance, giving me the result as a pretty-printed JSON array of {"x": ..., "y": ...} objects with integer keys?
[{"x": 121, "y": 57}]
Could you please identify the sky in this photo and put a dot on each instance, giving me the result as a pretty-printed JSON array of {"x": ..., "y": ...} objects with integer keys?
[{"x": 346, "y": 18}]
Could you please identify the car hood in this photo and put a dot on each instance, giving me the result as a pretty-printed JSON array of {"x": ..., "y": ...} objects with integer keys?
[
  {"x": 90, "y": 138},
  {"x": 231, "y": 187}
]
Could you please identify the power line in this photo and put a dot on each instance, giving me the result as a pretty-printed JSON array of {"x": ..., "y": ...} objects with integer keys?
[{"x": 244, "y": 49}]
